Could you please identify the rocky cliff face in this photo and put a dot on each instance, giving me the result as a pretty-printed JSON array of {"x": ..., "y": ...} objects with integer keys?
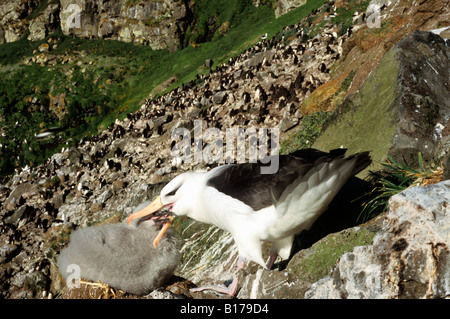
[
  {"x": 159, "y": 24},
  {"x": 156, "y": 23},
  {"x": 284, "y": 6},
  {"x": 273, "y": 84}
]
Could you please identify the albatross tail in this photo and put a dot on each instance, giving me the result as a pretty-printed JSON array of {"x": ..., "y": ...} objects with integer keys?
[{"x": 309, "y": 195}]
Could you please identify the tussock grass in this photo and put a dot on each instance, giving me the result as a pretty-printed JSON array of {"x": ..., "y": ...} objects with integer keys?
[{"x": 395, "y": 177}]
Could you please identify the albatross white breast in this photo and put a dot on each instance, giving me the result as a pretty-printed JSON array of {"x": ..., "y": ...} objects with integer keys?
[{"x": 254, "y": 206}]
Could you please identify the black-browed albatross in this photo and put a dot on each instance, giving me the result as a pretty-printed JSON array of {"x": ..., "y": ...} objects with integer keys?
[{"x": 254, "y": 207}]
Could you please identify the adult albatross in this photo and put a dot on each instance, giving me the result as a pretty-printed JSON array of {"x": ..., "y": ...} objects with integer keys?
[{"x": 253, "y": 206}]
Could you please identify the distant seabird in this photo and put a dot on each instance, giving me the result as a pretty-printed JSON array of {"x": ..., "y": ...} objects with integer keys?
[
  {"x": 48, "y": 132},
  {"x": 254, "y": 207},
  {"x": 103, "y": 254}
]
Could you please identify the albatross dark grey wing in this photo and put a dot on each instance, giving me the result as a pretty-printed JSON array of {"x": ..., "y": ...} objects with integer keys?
[{"x": 246, "y": 183}]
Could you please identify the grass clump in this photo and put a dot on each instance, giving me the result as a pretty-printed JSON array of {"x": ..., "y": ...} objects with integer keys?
[{"x": 395, "y": 177}]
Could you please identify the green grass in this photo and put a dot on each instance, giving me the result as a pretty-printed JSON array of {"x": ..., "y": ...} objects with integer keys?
[
  {"x": 344, "y": 16},
  {"x": 304, "y": 136},
  {"x": 26, "y": 92},
  {"x": 395, "y": 177},
  {"x": 13, "y": 52}
]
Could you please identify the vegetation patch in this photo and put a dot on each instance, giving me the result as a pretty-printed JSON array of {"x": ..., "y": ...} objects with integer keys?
[
  {"x": 366, "y": 119},
  {"x": 394, "y": 178},
  {"x": 310, "y": 128},
  {"x": 34, "y": 98},
  {"x": 327, "y": 96},
  {"x": 343, "y": 18},
  {"x": 369, "y": 38},
  {"x": 317, "y": 261}
]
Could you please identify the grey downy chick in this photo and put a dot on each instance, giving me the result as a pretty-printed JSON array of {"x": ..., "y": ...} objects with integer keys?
[{"x": 122, "y": 256}]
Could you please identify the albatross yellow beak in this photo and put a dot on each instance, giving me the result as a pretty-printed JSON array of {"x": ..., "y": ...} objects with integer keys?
[{"x": 155, "y": 206}]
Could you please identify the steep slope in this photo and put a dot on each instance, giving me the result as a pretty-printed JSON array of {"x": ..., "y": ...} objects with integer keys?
[
  {"x": 79, "y": 86},
  {"x": 403, "y": 106}
]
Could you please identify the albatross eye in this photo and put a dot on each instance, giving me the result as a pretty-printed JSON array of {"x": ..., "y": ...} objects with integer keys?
[{"x": 173, "y": 192}]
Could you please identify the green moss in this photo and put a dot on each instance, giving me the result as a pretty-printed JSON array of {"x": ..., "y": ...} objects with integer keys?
[
  {"x": 310, "y": 128},
  {"x": 346, "y": 83},
  {"x": 367, "y": 119},
  {"x": 320, "y": 259}
]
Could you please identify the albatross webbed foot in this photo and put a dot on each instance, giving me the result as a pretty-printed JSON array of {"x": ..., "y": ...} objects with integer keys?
[{"x": 230, "y": 290}]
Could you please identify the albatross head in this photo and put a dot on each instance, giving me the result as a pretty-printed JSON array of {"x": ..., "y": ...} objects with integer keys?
[{"x": 176, "y": 196}]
